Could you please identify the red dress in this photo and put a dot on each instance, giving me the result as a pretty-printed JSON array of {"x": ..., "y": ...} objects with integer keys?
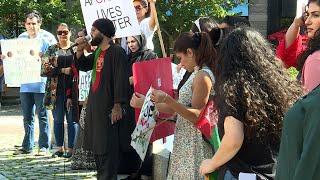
[{"x": 290, "y": 55}]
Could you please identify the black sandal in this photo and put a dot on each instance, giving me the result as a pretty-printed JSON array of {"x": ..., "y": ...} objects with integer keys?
[{"x": 57, "y": 154}]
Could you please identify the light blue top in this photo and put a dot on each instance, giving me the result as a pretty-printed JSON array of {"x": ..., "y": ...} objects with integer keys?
[{"x": 47, "y": 39}]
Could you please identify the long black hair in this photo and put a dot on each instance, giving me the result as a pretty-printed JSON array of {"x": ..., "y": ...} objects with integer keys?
[
  {"x": 252, "y": 85},
  {"x": 201, "y": 44}
]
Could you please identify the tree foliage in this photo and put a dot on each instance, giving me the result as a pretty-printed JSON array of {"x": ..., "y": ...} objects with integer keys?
[
  {"x": 176, "y": 16},
  {"x": 53, "y": 12}
]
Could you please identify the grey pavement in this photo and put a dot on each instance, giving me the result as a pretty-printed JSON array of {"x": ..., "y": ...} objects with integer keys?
[{"x": 30, "y": 166}]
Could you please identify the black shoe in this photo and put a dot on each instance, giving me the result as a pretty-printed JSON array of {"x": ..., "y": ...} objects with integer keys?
[
  {"x": 132, "y": 177},
  {"x": 22, "y": 151},
  {"x": 67, "y": 155},
  {"x": 57, "y": 154}
]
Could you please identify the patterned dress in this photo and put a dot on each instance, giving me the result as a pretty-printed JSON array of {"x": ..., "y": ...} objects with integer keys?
[
  {"x": 189, "y": 148},
  {"x": 81, "y": 158}
]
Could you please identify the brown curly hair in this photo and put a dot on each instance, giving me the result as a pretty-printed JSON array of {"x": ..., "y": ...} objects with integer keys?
[{"x": 253, "y": 86}]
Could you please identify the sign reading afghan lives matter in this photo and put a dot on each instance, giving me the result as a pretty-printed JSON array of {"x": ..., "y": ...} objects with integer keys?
[
  {"x": 121, "y": 12},
  {"x": 84, "y": 84},
  {"x": 22, "y": 63}
]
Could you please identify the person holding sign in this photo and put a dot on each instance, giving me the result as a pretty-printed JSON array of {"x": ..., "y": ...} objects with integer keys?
[
  {"x": 33, "y": 93},
  {"x": 108, "y": 97},
  {"x": 138, "y": 53},
  {"x": 57, "y": 67},
  {"x": 146, "y": 14},
  {"x": 197, "y": 55},
  {"x": 292, "y": 51}
]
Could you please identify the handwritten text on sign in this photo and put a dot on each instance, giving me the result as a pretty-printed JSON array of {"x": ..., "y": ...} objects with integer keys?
[
  {"x": 146, "y": 123},
  {"x": 84, "y": 84},
  {"x": 121, "y": 12},
  {"x": 22, "y": 63}
]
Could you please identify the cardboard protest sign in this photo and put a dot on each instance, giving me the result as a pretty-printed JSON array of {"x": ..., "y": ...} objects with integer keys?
[
  {"x": 146, "y": 123},
  {"x": 121, "y": 12},
  {"x": 22, "y": 64},
  {"x": 84, "y": 84}
]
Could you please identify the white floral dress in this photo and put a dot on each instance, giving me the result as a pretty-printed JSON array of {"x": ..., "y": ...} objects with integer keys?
[{"x": 189, "y": 148}]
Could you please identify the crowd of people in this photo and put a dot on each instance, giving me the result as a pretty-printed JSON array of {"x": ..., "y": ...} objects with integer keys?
[{"x": 267, "y": 122}]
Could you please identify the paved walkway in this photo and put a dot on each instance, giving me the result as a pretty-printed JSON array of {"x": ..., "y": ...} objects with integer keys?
[{"x": 29, "y": 166}]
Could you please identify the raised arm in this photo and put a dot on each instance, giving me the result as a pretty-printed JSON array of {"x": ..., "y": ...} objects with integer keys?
[
  {"x": 291, "y": 46},
  {"x": 293, "y": 32},
  {"x": 153, "y": 14}
]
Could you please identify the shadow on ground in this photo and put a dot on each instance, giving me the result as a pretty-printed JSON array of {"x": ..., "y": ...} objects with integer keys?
[{"x": 39, "y": 167}]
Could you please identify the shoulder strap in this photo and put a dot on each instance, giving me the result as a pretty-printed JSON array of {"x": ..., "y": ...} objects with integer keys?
[{"x": 207, "y": 70}]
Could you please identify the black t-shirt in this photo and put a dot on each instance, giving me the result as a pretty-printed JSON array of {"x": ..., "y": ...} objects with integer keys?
[{"x": 253, "y": 156}]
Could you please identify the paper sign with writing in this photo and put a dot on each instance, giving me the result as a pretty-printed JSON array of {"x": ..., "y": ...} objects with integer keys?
[
  {"x": 84, "y": 84},
  {"x": 121, "y": 12},
  {"x": 300, "y": 7},
  {"x": 143, "y": 131},
  {"x": 22, "y": 62},
  {"x": 177, "y": 75}
]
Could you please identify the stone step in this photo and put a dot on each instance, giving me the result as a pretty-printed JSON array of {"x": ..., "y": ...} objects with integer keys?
[{"x": 8, "y": 101}]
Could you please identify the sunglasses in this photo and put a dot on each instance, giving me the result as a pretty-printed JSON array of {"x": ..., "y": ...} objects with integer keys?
[
  {"x": 138, "y": 8},
  {"x": 65, "y": 32}
]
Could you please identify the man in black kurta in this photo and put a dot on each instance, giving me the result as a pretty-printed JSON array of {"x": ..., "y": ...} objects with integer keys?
[{"x": 107, "y": 97}]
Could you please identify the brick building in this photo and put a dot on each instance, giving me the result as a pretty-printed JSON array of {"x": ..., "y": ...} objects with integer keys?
[{"x": 268, "y": 15}]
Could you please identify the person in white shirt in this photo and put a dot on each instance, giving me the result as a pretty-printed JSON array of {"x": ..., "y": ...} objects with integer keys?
[
  {"x": 146, "y": 14},
  {"x": 32, "y": 94}
]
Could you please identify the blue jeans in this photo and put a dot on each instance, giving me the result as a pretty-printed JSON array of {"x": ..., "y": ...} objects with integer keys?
[
  {"x": 28, "y": 100},
  {"x": 59, "y": 112},
  {"x": 229, "y": 176}
]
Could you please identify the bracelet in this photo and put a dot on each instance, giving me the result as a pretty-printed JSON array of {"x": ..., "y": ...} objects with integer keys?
[{"x": 165, "y": 98}]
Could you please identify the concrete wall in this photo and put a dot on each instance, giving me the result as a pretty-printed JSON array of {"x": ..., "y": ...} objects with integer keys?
[{"x": 258, "y": 15}]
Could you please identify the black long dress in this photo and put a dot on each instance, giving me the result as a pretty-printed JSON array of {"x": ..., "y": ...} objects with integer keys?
[
  {"x": 130, "y": 161},
  {"x": 101, "y": 136}
]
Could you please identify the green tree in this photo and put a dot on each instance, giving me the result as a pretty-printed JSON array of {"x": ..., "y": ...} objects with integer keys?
[
  {"x": 52, "y": 11},
  {"x": 176, "y": 16}
]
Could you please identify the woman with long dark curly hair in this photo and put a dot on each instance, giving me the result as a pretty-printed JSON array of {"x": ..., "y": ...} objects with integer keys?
[
  {"x": 305, "y": 58},
  {"x": 253, "y": 93}
]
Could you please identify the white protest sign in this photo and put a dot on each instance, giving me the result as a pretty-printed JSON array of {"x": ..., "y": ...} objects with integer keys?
[
  {"x": 22, "y": 64},
  {"x": 300, "y": 5},
  {"x": 247, "y": 176},
  {"x": 121, "y": 12},
  {"x": 177, "y": 75},
  {"x": 159, "y": 146},
  {"x": 143, "y": 131},
  {"x": 84, "y": 84}
]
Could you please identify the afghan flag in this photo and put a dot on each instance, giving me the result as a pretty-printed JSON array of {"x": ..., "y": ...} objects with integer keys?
[{"x": 207, "y": 124}]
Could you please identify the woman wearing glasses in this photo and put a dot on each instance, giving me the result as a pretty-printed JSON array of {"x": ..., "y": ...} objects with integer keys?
[
  {"x": 57, "y": 67},
  {"x": 146, "y": 13},
  {"x": 293, "y": 53}
]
